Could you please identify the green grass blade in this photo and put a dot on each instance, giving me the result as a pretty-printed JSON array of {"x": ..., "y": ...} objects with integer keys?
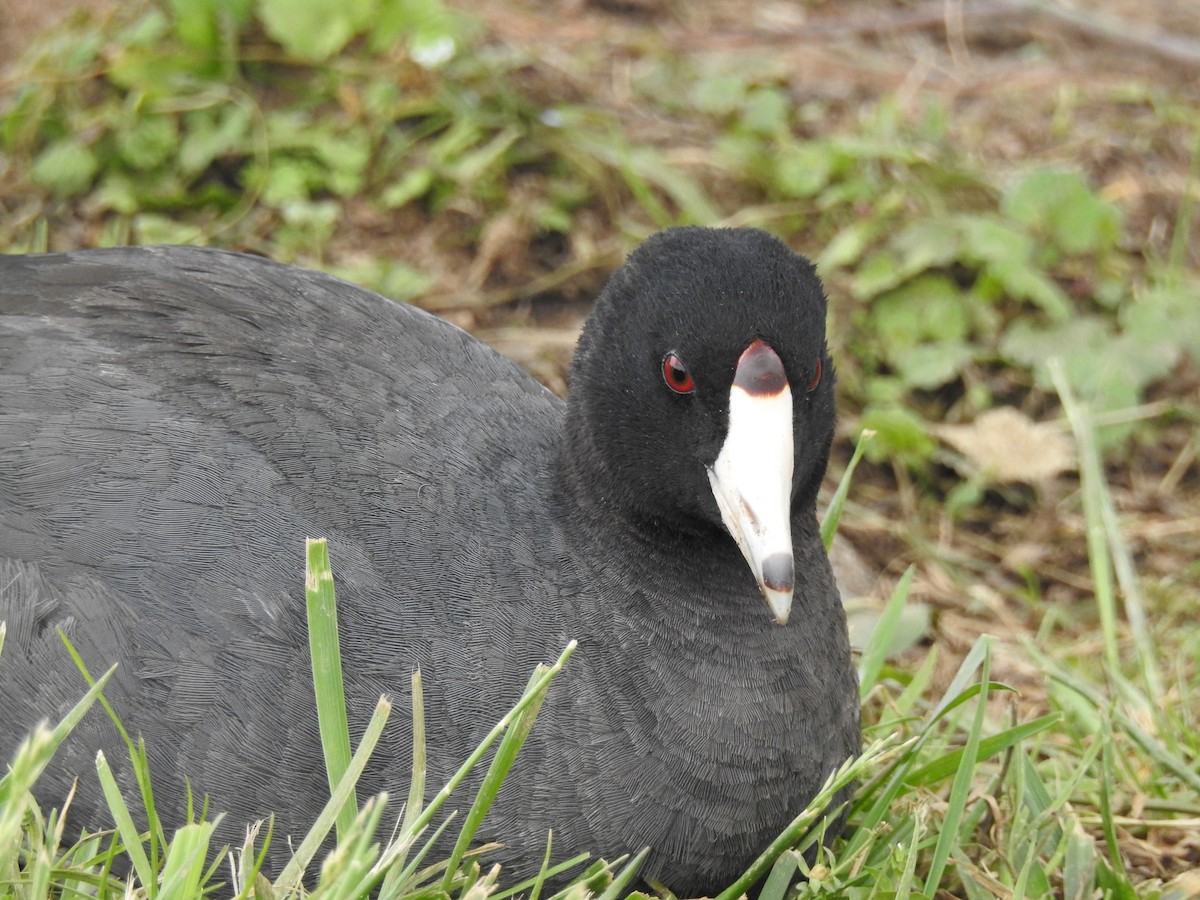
[
  {"x": 1107, "y": 549},
  {"x": 351, "y": 870},
  {"x": 535, "y": 891},
  {"x": 500, "y": 727},
  {"x": 397, "y": 852},
  {"x": 960, "y": 790},
  {"x": 960, "y": 688},
  {"x": 947, "y": 765},
  {"x": 130, "y": 836},
  {"x": 780, "y": 879},
  {"x": 1079, "y": 866},
  {"x": 294, "y": 870},
  {"x": 918, "y": 684},
  {"x": 399, "y": 874},
  {"x": 184, "y": 863},
  {"x": 876, "y": 651},
  {"x": 622, "y": 879},
  {"x": 137, "y": 756},
  {"x": 327, "y": 673},
  {"x": 1111, "y": 839},
  {"x": 833, "y": 514},
  {"x": 1184, "y": 769},
  {"x": 542, "y": 877},
  {"x": 250, "y": 862},
  {"x": 874, "y": 801},
  {"x": 21, "y": 778},
  {"x": 852, "y": 770},
  {"x": 416, "y": 787},
  {"x": 506, "y": 755}
]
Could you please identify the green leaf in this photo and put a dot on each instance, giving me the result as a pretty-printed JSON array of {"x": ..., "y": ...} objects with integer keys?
[
  {"x": 414, "y": 183},
  {"x": 287, "y": 181},
  {"x": 389, "y": 277},
  {"x": 989, "y": 241},
  {"x": 900, "y": 435},
  {"x": 209, "y": 135},
  {"x": 148, "y": 142},
  {"x": 803, "y": 170},
  {"x": 1108, "y": 370},
  {"x": 345, "y": 157},
  {"x": 117, "y": 192},
  {"x": 66, "y": 167},
  {"x": 766, "y": 111},
  {"x": 1166, "y": 321},
  {"x": 928, "y": 308},
  {"x": 1059, "y": 204},
  {"x": 314, "y": 30},
  {"x": 928, "y": 243},
  {"x": 930, "y": 366},
  {"x": 200, "y": 23},
  {"x": 1023, "y": 281},
  {"x": 432, "y": 31},
  {"x": 153, "y": 228},
  {"x": 720, "y": 93},
  {"x": 848, "y": 245}
]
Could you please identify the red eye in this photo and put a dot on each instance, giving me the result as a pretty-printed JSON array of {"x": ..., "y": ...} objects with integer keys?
[
  {"x": 676, "y": 375},
  {"x": 816, "y": 379}
]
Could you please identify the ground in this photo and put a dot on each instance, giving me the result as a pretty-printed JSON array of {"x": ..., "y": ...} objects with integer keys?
[{"x": 1021, "y": 80}]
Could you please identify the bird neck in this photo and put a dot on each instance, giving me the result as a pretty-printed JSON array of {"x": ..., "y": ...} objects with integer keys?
[{"x": 651, "y": 568}]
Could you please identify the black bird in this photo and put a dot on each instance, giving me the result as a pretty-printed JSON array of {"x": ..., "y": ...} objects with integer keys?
[{"x": 174, "y": 421}]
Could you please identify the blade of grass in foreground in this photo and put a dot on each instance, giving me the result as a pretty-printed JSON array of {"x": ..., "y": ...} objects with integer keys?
[
  {"x": 416, "y": 786},
  {"x": 137, "y": 757},
  {"x": 502, "y": 762},
  {"x": 294, "y": 870},
  {"x": 780, "y": 879},
  {"x": 1107, "y": 550},
  {"x": 326, "y": 656},
  {"x": 960, "y": 789},
  {"x": 945, "y": 766},
  {"x": 28, "y": 765},
  {"x": 125, "y": 827},
  {"x": 530, "y": 695},
  {"x": 852, "y": 770},
  {"x": 184, "y": 862},
  {"x": 876, "y": 651},
  {"x": 875, "y": 800},
  {"x": 833, "y": 515}
]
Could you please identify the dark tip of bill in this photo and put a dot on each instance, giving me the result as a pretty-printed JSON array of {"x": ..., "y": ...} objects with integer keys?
[
  {"x": 777, "y": 572},
  {"x": 760, "y": 371}
]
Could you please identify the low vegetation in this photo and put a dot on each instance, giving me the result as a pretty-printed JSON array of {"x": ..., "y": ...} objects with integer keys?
[{"x": 1021, "y": 336}]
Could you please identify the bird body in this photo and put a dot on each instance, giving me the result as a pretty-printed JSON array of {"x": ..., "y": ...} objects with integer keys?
[{"x": 174, "y": 421}]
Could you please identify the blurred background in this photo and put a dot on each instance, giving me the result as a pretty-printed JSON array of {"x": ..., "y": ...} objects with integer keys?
[{"x": 1001, "y": 198}]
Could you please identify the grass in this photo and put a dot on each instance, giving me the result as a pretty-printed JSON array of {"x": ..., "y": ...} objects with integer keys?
[{"x": 1059, "y": 756}]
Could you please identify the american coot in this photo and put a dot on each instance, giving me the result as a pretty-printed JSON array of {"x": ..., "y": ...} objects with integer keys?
[{"x": 174, "y": 421}]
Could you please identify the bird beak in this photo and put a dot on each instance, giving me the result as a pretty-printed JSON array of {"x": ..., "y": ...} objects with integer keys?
[{"x": 752, "y": 476}]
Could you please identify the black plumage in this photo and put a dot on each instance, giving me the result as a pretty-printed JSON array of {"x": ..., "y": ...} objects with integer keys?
[{"x": 174, "y": 421}]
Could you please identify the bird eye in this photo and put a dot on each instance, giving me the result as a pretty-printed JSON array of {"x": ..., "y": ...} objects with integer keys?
[
  {"x": 676, "y": 375},
  {"x": 816, "y": 379}
]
